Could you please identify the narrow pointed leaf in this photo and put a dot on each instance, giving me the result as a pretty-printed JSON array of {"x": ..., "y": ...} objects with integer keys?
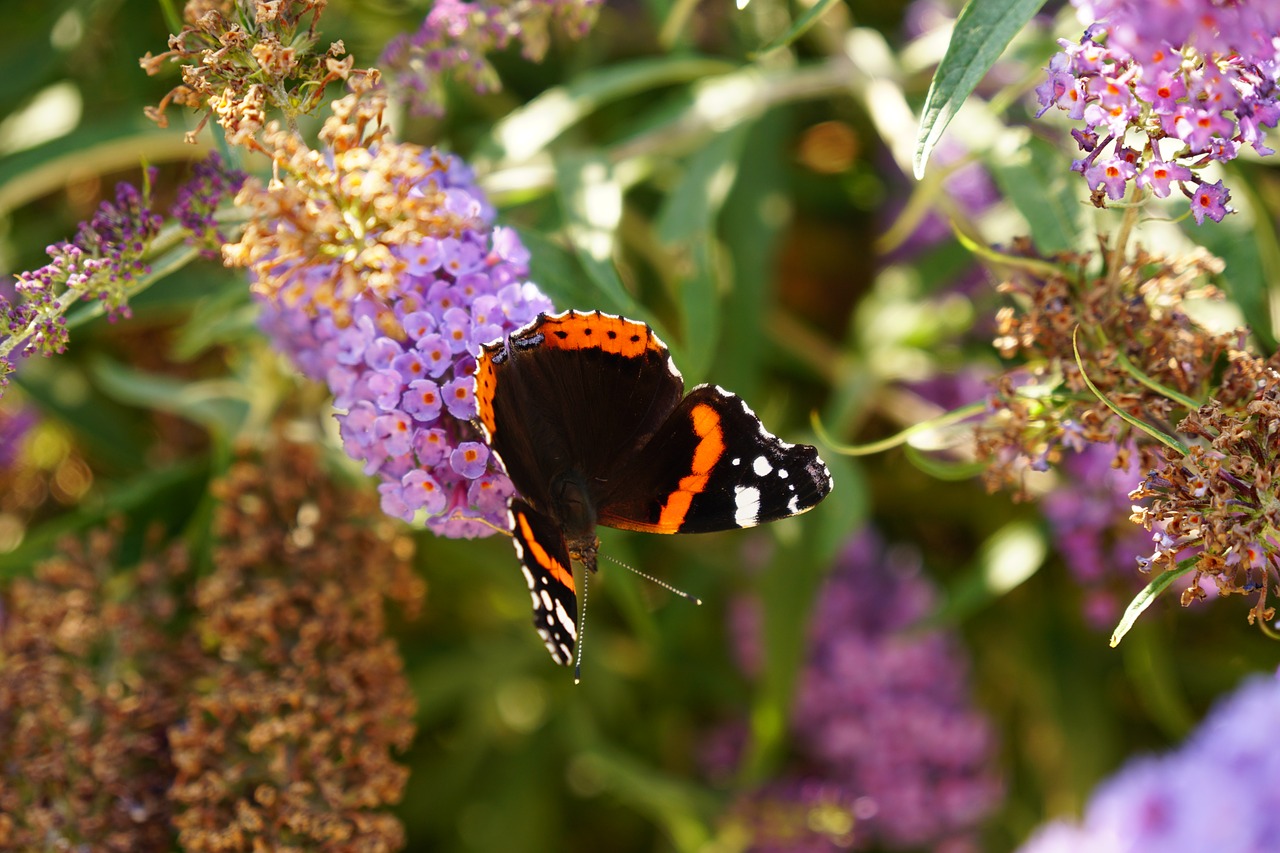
[{"x": 983, "y": 31}]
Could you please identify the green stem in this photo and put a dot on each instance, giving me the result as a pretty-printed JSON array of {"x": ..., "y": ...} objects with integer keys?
[{"x": 953, "y": 417}]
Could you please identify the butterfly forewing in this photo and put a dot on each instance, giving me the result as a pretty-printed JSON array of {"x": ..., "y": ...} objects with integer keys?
[
  {"x": 582, "y": 402},
  {"x": 713, "y": 466}
]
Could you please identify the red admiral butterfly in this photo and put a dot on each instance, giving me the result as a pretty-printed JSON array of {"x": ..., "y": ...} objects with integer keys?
[{"x": 588, "y": 415}]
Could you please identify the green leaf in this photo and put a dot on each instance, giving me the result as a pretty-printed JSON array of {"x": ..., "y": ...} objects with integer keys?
[
  {"x": 799, "y": 28},
  {"x": 224, "y": 316},
  {"x": 1143, "y": 600},
  {"x": 1031, "y": 176},
  {"x": 217, "y": 405},
  {"x": 983, "y": 31},
  {"x": 558, "y": 271},
  {"x": 753, "y": 223},
  {"x": 591, "y": 202},
  {"x": 682, "y": 809},
  {"x": 1008, "y": 558},
  {"x": 111, "y": 145},
  {"x": 60, "y": 388},
  {"x": 686, "y": 226},
  {"x": 165, "y": 489},
  {"x": 1250, "y": 251},
  {"x": 530, "y": 129}
]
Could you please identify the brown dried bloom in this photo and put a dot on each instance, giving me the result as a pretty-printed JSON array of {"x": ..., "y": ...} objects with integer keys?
[
  {"x": 337, "y": 222},
  {"x": 241, "y": 57},
  {"x": 1215, "y": 510},
  {"x": 1134, "y": 313},
  {"x": 286, "y": 743},
  {"x": 90, "y": 679}
]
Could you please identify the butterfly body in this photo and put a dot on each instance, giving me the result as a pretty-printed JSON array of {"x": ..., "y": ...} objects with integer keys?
[{"x": 588, "y": 415}]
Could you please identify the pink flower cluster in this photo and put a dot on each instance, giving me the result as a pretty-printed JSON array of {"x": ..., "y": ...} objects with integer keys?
[{"x": 1164, "y": 89}]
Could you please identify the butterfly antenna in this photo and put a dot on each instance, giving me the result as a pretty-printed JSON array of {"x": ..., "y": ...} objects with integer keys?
[
  {"x": 582, "y": 629},
  {"x": 651, "y": 579}
]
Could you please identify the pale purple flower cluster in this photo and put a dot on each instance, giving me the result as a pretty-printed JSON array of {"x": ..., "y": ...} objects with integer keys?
[
  {"x": 456, "y": 36},
  {"x": 1220, "y": 791},
  {"x": 15, "y": 423},
  {"x": 883, "y": 722},
  {"x": 1088, "y": 514},
  {"x": 1163, "y": 90},
  {"x": 401, "y": 370},
  {"x": 212, "y": 183}
]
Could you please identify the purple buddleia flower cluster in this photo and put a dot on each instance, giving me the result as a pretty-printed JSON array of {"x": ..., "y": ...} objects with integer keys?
[
  {"x": 456, "y": 36},
  {"x": 1166, "y": 89},
  {"x": 401, "y": 367},
  {"x": 101, "y": 262},
  {"x": 1088, "y": 514},
  {"x": 1219, "y": 791},
  {"x": 883, "y": 723},
  {"x": 15, "y": 423},
  {"x": 212, "y": 182}
]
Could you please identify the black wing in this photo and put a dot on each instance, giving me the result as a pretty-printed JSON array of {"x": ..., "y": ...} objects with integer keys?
[
  {"x": 544, "y": 561},
  {"x": 573, "y": 393},
  {"x": 713, "y": 466}
]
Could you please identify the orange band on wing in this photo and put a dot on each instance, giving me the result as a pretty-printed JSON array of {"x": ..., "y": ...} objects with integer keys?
[
  {"x": 485, "y": 385},
  {"x": 710, "y": 449},
  {"x": 616, "y": 335},
  {"x": 541, "y": 557}
]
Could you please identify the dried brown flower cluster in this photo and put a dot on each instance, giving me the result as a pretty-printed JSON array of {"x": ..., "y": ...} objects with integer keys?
[
  {"x": 1209, "y": 497},
  {"x": 240, "y": 58},
  {"x": 85, "y": 701},
  {"x": 286, "y": 743},
  {"x": 1216, "y": 509},
  {"x": 259, "y": 714},
  {"x": 337, "y": 222},
  {"x": 1134, "y": 313}
]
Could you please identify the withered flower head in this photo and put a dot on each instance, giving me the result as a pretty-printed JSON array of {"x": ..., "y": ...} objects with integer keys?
[
  {"x": 1211, "y": 406},
  {"x": 339, "y": 222},
  {"x": 1217, "y": 506},
  {"x": 286, "y": 741},
  {"x": 1132, "y": 314},
  {"x": 90, "y": 680},
  {"x": 241, "y": 57}
]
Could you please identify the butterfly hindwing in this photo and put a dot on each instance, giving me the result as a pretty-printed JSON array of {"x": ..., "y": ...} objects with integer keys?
[
  {"x": 713, "y": 466},
  {"x": 544, "y": 560}
]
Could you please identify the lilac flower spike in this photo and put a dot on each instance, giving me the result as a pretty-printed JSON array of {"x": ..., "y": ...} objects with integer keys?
[
  {"x": 1217, "y": 792},
  {"x": 891, "y": 752},
  {"x": 401, "y": 370},
  {"x": 103, "y": 261},
  {"x": 1173, "y": 87}
]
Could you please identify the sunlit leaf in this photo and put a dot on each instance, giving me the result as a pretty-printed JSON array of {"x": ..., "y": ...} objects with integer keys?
[{"x": 982, "y": 32}]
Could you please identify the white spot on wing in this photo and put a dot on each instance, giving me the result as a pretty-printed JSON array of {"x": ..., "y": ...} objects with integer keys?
[
  {"x": 793, "y": 505},
  {"x": 546, "y": 600},
  {"x": 528, "y": 575},
  {"x": 747, "y": 502},
  {"x": 761, "y": 466},
  {"x": 565, "y": 622}
]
